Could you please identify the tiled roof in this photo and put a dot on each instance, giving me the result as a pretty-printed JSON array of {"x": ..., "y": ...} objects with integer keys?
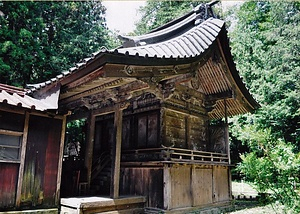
[
  {"x": 183, "y": 41},
  {"x": 192, "y": 43},
  {"x": 16, "y": 97}
]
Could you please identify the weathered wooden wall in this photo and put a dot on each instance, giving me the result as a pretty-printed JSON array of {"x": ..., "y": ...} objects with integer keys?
[
  {"x": 198, "y": 133},
  {"x": 195, "y": 186},
  {"x": 37, "y": 153},
  {"x": 8, "y": 184},
  {"x": 184, "y": 130},
  {"x": 146, "y": 181},
  {"x": 202, "y": 185},
  {"x": 9, "y": 171},
  {"x": 221, "y": 184},
  {"x": 41, "y": 162}
]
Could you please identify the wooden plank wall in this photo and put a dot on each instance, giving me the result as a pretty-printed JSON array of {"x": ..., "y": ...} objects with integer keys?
[
  {"x": 184, "y": 130},
  {"x": 202, "y": 185},
  {"x": 181, "y": 190},
  {"x": 195, "y": 186},
  {"x": 146, "y": 181},
  {"x": 221, "y": 183},
  {"x": 41, "y": 162},
  {"x": 8, "y": 184},
  {"x": 174, "y": 125},
  {"x": 198, "y": 133}
]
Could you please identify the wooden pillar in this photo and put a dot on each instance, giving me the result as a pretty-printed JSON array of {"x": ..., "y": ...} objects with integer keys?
[
  {"x": 116, "y": 154},
  {"x": 22, "y": 159},
  {"x": 60, "y": 160},
  {"x": 167, "y": 187},
  {"x": 88, "y": 161},
  {"x": 226, "y": 131}
]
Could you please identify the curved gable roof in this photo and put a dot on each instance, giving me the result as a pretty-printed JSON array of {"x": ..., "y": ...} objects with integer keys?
[
  {"x": 191, "y": 43},
  {"x": 185, "y": 43}
]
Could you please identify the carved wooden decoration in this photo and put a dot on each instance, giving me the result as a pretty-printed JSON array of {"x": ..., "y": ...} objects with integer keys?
[{"x": 217, "y": 139}]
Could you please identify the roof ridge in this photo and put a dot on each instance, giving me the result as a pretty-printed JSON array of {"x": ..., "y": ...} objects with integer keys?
[{"x": 184, "y": 23}]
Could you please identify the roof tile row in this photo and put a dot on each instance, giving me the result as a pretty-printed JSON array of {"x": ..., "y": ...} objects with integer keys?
[{"x": 16, "y": 97}]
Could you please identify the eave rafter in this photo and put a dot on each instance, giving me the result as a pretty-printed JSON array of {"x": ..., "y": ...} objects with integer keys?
[{"x": 88, "y": 79}]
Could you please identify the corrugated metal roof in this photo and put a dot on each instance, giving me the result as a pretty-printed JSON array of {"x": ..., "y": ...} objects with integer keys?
[{"x": 16, "y": 97}]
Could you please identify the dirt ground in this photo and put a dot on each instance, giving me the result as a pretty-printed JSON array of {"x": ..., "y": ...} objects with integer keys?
[
  {"x": 268, "y": 209},
  {"x": 243, "y": 189}
]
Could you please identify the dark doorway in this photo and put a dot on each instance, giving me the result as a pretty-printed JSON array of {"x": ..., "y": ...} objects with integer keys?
[{"x": 101, "y": 168}]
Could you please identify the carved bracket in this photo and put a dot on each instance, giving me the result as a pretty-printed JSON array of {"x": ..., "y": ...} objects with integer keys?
[{"x": 209, "y": 105}]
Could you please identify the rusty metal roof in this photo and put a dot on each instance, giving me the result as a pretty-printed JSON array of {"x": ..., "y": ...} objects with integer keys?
[{"x": 17, "y": 97}]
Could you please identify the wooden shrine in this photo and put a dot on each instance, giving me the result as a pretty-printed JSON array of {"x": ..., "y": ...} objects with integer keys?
[{"x": 156, "y": 116}]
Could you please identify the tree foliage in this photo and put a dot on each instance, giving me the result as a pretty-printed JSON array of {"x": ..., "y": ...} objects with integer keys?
[
  {"x": 158, "y": 13},
  {"x": 41, "y": 39},
  {"x": 266, "y": 45},
  {"x": 273, "y": 167}
]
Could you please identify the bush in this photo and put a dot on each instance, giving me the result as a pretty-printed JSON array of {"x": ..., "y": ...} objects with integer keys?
[{"x": 273, "y": 166}]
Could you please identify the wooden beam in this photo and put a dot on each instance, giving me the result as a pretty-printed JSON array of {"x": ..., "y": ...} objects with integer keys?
[
  {"x": 11, "y": 133},
  {"x": 22, "y": 159},
  {"x": 119, "y": 70},
  {"x": 21, "y": 110},
  {"x": 116, "y": 154},
  {"x": 78, "y": 92},
  {"x": 60, "y": 160},
  {"x": 219, "y": 96}
]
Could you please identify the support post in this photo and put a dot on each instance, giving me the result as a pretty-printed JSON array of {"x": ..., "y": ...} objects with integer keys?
[
  {"x": 22, "y": 159},
  {"x": 226, "y": 131},
  {"x": 88, "y": 161},
  {"x": 116, "y": 154},
  {"x": 167, "y": 187},
  {"x": 60, "y": 161}
]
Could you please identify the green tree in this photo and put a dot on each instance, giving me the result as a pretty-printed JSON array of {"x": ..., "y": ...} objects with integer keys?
[
  {"x": 272, "y": 166},
  {"x": 158, "y": 13},
  {"x": 266, "y": 44},
  {"x": 41, "y": 39}
]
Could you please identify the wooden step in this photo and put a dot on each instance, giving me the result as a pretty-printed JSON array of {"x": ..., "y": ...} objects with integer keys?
[{"x": 87, "y": 205}]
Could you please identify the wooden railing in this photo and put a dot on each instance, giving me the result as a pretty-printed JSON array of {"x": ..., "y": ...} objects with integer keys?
[{"x": 173, "y": 154}]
